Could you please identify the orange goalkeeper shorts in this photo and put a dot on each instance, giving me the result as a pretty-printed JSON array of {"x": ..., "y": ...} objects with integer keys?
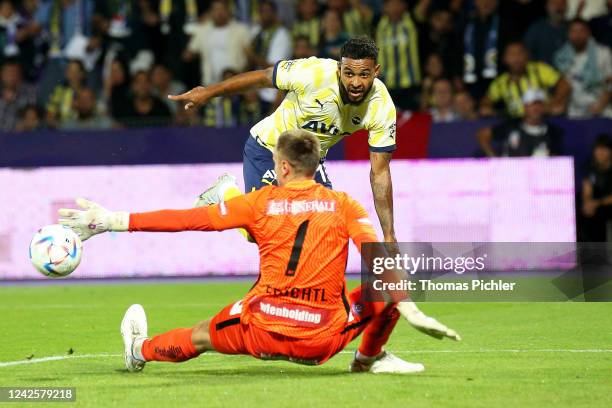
[{"x": 229, "y": 336}]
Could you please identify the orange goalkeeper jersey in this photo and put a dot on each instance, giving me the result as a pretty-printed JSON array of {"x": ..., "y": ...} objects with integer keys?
[{"x": 302, "y": 230}]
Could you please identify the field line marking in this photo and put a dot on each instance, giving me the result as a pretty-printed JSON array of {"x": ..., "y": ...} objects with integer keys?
[
  {"x": 490, "y": 351},
  {"x": 499, "y": 351},
  {"x": 54, "y": 358}
]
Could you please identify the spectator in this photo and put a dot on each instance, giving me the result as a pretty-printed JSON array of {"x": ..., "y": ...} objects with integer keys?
[
  {"x": 439, "y": 38},
  {"x": 546, "y": 36},
  {"x": 86, "y": 117},
  {"x": 144, "y": 109},
  {"x": 332, "y": 37},
  {"x": 128, "y": 26},
  {"x": 66, "y": 25},
  {"x": 481, "y": 45},
  {"x": 30, "y": 119},
  {"x": 302, "y": 48},
  {"x": 507, "y": 88},
  {"x": 17, "y": 33},
  {"x": 220, "y": 43},
  {"x": 602, "y": 27},
  {"x": 588, "y": 66},
  {"x": 233, "y": 110},
  {"x": 117, "y": 88},
  {"x": 308, "y": 24},
  {"x": 164, "y": 85},
  {"x": 531, "y": 136},
  {"x": 596, "y": 211},
  {"x": 60, "y": 106},
  {"x": 271, "y": 44},
  {"x": 356, "y": 16},
  {"x": 223, "y": 111},
  {"x": 585, "y": 9},
  {"x": 442, "y": 96},
  {"x": 251, "y": 110},
  {"x": 465, "y": 107},
  {"x": 434, "y": 70},
  {"x": 15, "y": 94},
  {"x": 397, "y": 38}
]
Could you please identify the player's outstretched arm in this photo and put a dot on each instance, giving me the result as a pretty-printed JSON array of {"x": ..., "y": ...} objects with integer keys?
[
  {"x": 200, "y": 95},
  {"x": 93, "y": 219},
  {"x": 382, "y": 190}
]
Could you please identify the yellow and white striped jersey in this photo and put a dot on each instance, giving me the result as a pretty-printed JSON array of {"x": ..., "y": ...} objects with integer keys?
[{"x": 313, "y": 103}]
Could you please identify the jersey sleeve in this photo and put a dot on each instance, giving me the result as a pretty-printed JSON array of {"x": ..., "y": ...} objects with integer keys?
[
  {"x": 235, "y": 213},
  {"x": 296, "y": 75},
  {"x": 238, "y": 212},
  {"x": 381, "y": 124}
]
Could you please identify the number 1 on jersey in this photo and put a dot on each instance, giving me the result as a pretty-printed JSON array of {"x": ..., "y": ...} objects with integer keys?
[{"x": 297, "y": 249}]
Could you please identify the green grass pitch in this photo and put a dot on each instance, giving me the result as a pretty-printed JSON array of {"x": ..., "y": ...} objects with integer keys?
[{"x": 512, "y": 354}]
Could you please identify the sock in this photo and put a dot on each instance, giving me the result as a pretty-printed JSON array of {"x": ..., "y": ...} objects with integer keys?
[
  {"x": 175, "y": 345},
  {"x": 137, "y": 348},
  {"x": 363, "y": 358},
  {"x": 228, "y": 194},
  {"x": 377, "y": 332}
]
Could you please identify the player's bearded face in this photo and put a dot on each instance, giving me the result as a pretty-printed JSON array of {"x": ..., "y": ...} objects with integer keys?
[{"x": 356, "y": 78}]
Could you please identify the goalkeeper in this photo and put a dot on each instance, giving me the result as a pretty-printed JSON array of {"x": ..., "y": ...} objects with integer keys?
[{"x": 299, "y": 309}]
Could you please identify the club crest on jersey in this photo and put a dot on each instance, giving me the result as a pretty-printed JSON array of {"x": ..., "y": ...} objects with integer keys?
[
  {"x": 321, "y": 127},
  {"x": 356, "y": 120},
  {"x": 286, "y": 65}
]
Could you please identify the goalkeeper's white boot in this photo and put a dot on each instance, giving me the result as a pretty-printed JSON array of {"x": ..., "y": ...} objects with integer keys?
[
  {"x": 215, "y": 193},
  {"x": 133, "y": 328},
  {"x": 386, "y": 363}
]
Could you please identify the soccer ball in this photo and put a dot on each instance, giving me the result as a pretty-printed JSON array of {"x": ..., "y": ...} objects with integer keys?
[{"x": 55, "y": 251}]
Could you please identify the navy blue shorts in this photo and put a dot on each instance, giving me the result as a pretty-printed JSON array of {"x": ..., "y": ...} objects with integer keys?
[{"x": 258, "y": 167}]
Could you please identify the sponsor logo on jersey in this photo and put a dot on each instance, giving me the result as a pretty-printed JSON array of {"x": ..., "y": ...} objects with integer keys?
[
  {"x": 288, "y": 312},
  {"x": 323, "y": 128},
  {"x": 282, "y": 207}
]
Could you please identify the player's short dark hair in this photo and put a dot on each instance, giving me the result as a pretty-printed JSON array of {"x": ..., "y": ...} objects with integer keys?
[
  {"x": 516, "y": 43},
  {"x": 603, "y": 140},
  {"x": 301, "y": 149},
  {"x": 359, "y": 48}
]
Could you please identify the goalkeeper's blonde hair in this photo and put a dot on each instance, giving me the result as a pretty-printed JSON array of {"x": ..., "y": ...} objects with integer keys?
[{"x": 301, "y": 149}]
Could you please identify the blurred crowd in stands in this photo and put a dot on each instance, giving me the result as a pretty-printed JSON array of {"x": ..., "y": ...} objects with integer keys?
[{"x": 93, "y": 64}]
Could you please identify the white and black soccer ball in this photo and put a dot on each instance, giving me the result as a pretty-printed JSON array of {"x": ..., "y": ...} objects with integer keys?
[{"x": 55, "y": 251}]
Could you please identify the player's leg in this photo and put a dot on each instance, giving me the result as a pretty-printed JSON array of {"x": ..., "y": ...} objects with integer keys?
[
  {"x": 257, "y": 166},
  {"x": 175, "y": 345},
  {"x": 375, "y": 321}
]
